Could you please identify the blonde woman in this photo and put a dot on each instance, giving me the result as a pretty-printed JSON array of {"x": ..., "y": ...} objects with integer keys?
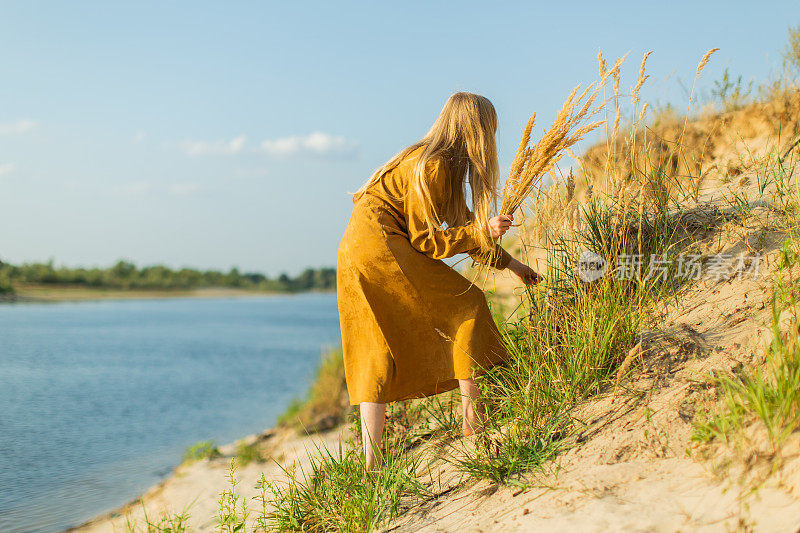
[{"x": 411, "y": 325}]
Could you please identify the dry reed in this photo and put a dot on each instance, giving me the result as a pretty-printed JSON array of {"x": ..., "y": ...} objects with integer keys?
[
  {"x": 601, "y": 63},
  {"x": 633, "y": 354},
  {"x": 618, "y": 113},
  {"x": 704, "y": 61},
  {"x": 700, "y": 67},
  {"x": 574, "y": 121},
  {"x": 640, "y": 81}
]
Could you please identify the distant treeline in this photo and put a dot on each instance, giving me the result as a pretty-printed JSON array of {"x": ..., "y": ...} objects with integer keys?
[{"x": 126, "y": 275}]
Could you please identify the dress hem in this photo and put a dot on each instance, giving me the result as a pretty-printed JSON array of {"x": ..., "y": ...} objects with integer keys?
[{"x": 437, "y": 387}]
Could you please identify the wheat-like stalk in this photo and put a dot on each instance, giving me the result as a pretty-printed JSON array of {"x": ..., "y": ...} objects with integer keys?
[
  {"x": 614, "y": 132},
  {"x": 633, "y": 353},
  {"x": 700, "y": 67},
  {"x": 601, "y": 63},
  {"x": 520, "y": 158},
  {"x": 640, "y": 82},
  {"x": 574, "y": 121},
  {"x": 619, "y": 106},
  {"x": 704, "y": 61}
]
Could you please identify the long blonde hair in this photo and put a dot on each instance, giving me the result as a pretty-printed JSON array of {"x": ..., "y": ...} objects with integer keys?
[{"x": 462, "y": 138}]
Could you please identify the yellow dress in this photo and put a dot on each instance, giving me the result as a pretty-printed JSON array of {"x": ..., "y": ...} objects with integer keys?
[{"x": 411, "y": 325}]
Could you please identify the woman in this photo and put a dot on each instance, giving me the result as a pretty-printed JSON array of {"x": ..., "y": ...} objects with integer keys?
[{"x": 411, "y": 325}]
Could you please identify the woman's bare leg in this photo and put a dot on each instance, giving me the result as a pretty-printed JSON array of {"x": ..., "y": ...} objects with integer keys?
[
  {"x": 373, "y": 417},
  {"x": 471, "y": 409}
]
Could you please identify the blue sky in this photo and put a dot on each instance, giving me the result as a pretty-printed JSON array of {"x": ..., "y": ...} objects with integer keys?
[{"x": 220, "y": 134}]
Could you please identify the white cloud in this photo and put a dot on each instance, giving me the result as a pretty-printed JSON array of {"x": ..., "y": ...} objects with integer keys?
[
  {"x": 7, "y": 168},
  {"x": 15, "y": 128},
  {"x": 232, "y": 147},
  {"x": 134, "y": 188},
  {"x": 317, "y": 143},
  {"x": 184, "y": 189},
  {"x": 140, "y": 137}
]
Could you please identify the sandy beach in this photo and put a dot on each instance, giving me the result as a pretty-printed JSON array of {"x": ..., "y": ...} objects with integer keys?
[
  {"x": 54, "y": 293},
  {"x": 196, "y": 487}
]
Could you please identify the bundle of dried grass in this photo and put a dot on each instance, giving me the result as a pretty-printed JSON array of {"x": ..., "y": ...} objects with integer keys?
[{"x": 573, "y": 122}]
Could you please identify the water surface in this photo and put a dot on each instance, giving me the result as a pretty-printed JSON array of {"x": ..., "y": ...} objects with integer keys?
[{"x": 98, "y": 400}]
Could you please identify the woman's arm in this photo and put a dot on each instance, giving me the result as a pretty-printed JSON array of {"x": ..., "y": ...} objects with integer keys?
[
  {"x": 442, "y": 243},
  {"x": 524, "y": 272},
  {"x": 438, "y": 243},
  {"x": 499, "y": 259}
]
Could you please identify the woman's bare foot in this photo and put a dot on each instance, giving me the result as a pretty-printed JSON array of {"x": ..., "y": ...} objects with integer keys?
[
  {"x": 472, "y": 425},
  {"x": 470, "y": 406}
]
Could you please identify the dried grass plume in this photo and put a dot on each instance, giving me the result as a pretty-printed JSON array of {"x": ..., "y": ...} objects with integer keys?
[
  {"x": 704, "y": 61},
  {"x": 572, "y": 123}
]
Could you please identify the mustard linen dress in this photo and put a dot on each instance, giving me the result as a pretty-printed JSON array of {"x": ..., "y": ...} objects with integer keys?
[{"x": 411, "y": 325}]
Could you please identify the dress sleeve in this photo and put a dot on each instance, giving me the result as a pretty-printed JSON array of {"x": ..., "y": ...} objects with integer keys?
[
  {"x": 442, "y": 243},
  {"x": 499, "y": 259},
  {"x": 439, "y": 243}
]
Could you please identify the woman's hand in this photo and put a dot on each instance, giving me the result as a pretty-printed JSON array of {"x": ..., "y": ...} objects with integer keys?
[
  {"x": 499, "y": 225},
  {"x": 524, "y": 272}
]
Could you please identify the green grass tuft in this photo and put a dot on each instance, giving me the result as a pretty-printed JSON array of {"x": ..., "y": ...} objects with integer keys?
[
  {"x": 248, "y": 453},
  {"x": 337, "y": 494},
  {"x": 206, "y": 449}
]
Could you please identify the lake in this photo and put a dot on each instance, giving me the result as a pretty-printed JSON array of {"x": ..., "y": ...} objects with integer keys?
[{"x": 99, "y": 400}]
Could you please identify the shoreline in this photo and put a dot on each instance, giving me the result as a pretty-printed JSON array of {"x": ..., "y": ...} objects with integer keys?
[
  {"x": 120, "y": 510},
  {"x": 57, "y": 294},
  {"x": 198, "y": 484}
]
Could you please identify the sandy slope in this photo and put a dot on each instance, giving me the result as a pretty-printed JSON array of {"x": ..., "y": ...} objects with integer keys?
[
  {"x": 633, "y": 468},
  {"x": 673, "y": 494}
]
